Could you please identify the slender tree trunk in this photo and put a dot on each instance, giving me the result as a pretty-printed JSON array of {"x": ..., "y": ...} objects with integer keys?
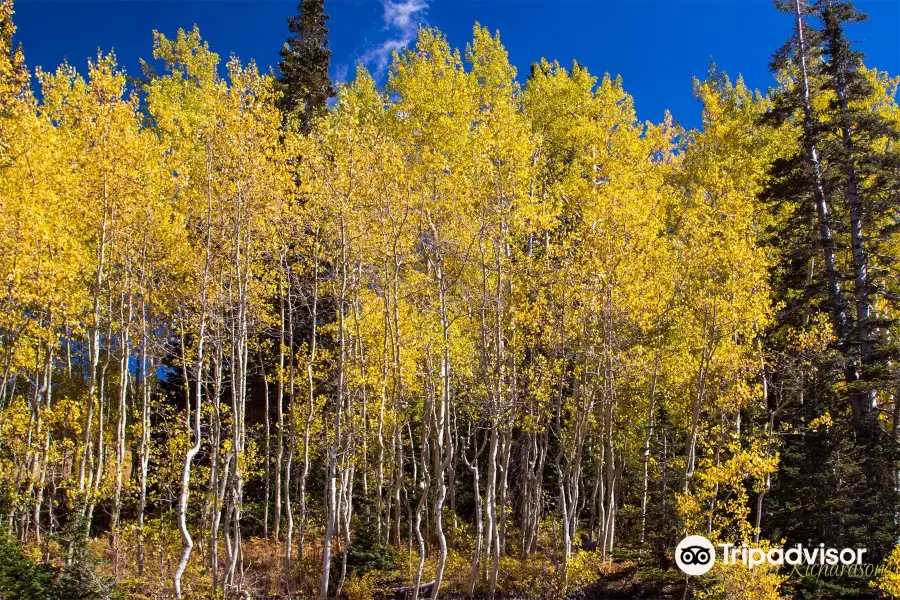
[
  {"x": 646, "y": 481},
  {"x": 476, "y": 488},
  {"x": 145, "y": 427},
  {"x": 826, "y": 238},
  {"x": 122, "y": 413},
  {"x": 310, "y": 384},
  {"x": 279, "y": 452},
  {"x": 862, "y": 400},
  {"x": 444, "y": 450},
  {"x": 187, "y": 541},
  {"x": 331, "y": 474},
  {"x": 267, "y": 474}
]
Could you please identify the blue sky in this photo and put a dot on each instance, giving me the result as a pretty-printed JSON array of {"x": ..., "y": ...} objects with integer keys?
[{"x": 657, "y": 46}]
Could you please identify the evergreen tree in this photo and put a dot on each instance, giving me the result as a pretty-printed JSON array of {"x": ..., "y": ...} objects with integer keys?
[
  {"x": 841, "y": 168},
  {"x": 862, "y": 176},
  {"x": 835, "y": 200},
  {"x": 20, "y": 577},
  {"x": 368, "y": 552},
  {"x": 304, "y": 82}
]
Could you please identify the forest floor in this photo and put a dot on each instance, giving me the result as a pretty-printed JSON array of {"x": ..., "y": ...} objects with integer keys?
[{"x": 632, "y": 584}]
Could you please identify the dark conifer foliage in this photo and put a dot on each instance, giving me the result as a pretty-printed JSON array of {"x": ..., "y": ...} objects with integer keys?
[
  {"x": 841, "y": 184},
  {"x": 839, "y": 194},
  {"x": 304, "y": 82}
]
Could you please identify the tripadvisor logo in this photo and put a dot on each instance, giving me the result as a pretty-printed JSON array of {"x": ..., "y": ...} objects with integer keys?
[{"x": 695, "y": 555}]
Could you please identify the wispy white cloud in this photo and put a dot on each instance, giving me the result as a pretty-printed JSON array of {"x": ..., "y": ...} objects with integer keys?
[
  {"x": 401, "y": 14},
  {"x": 340, "y": 73},
  {"x": 401, "y": 21}
]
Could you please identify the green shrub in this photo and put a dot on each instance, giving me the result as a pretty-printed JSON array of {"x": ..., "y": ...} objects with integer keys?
[{"x": 21, "y": 578}]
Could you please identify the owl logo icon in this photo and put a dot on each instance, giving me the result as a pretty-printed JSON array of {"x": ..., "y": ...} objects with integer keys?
[{"x": 695, "y": 555}]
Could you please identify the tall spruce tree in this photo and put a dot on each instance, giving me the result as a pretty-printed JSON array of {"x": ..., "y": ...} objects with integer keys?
[
  {"x": 844, "y": 197},
  {"x": 838, "y": 199},
  {"x": 863, "y": 152},
  {"x": 304, "y": 82}
]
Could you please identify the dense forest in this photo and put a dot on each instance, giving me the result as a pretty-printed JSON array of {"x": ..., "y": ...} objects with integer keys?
[{"x": 466, "y": 334}]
